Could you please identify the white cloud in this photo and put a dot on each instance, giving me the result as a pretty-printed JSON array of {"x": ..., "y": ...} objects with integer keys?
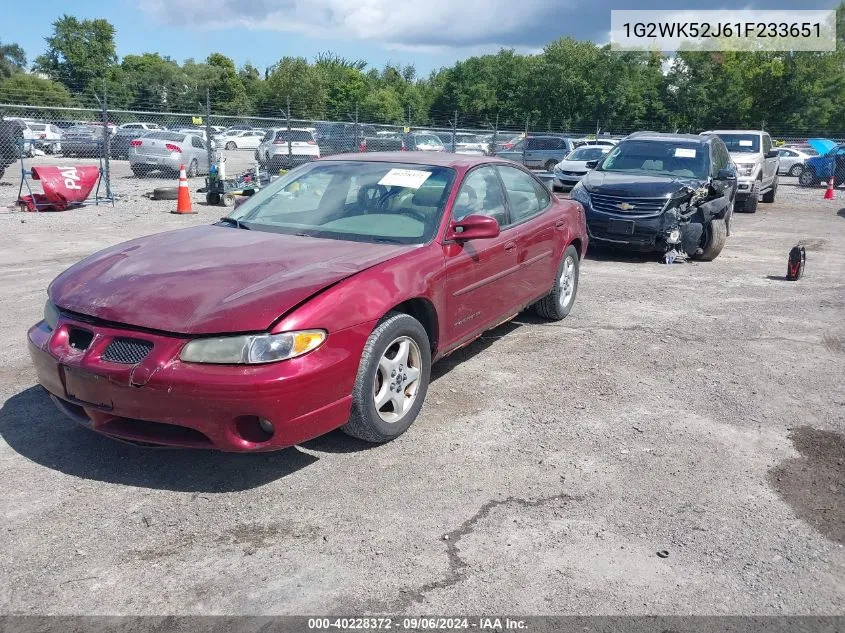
[{"x": 395, "y": 24}]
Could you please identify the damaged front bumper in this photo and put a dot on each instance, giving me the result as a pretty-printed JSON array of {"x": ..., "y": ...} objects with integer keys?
[{"x": 679, "y": 227}]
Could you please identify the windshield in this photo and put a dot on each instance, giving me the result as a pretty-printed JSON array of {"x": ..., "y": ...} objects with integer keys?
[
  {"x": 587, "y": 153},
  {"x": 353, "y": 200},
  {"x": 295, "y": 136},
  {"x": 658, "y": 158},
  {"x": 741, "y": 143}
]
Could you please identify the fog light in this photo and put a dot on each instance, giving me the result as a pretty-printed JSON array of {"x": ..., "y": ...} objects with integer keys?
[
  {"x": 266, "y": 426},
  {"x": 674, "y": 237}
]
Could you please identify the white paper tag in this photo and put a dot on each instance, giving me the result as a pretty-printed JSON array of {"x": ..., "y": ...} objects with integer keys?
[
  {"x": 684, "y": 152},
  {"x": 411, "y": 178},
  {"x": 745, "y": 143}
]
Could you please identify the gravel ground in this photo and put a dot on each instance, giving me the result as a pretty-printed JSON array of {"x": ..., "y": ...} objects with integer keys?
[{"x": 694, "y": 408}]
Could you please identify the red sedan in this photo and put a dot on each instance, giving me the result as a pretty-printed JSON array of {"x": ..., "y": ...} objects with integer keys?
[{"x": 319, "y": 303}]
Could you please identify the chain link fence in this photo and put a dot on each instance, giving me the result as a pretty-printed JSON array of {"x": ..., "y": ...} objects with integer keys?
[{"x": 278, "y": 142}]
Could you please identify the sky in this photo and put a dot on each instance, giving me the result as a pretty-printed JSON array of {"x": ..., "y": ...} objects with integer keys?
[{"x": 428, "y": 34}]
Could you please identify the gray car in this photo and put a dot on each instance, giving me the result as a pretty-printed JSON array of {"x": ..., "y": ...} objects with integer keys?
[
  {"x": 541, "y": 152},
  {"x": 166, "y": 152}
]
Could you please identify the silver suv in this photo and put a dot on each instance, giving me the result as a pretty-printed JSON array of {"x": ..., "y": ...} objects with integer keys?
[{"x": 756, "y": 163}]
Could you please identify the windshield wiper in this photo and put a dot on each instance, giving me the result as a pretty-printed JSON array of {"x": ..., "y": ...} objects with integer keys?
[
  {"x": 235, "y": 222},
  {"x": 387, "y": 240}
]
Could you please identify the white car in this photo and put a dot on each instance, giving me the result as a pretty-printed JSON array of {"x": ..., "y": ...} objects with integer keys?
[
  {"x": 47, "y": 137},
  {"x": 276, "y": 151},
  {"x": 140, "y": 126},
  {"x": 250, "y": 139},
  {"x": 569, "y": 171},
  {"x": 793, "y": 159},
  {"x": 599, "y": 142}
]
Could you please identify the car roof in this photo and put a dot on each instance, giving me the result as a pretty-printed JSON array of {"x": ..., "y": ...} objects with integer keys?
[
  {"x": 735, "y": 132},
  {"x": 434, "y": 159},
  {"x": 670, "y": 138}
]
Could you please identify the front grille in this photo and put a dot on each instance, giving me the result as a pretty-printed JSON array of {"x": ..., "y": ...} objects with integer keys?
[
  {"x": 639, "y": 206},
  {"x": 127, "y": 351},
  {"x": 643, "y": 234},
  {"x": 572, "y": 173}
]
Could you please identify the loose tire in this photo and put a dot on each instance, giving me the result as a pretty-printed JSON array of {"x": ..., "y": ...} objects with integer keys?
[
  {"x": 557, "y": 304},
  {"x": 795, "y": 170},
  {"x": 392, "y": 380},
  {"x": 769, "y": 196},
  {"x": 166, "y": 193},
  {"x": 212, "y": 198},
  {"x": 230, "y": 145},
  {"x": 714, "y": 241}
]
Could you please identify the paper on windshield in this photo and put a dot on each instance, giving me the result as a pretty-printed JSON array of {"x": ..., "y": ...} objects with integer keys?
[
  {"x": 745, "y": 143},
  {"x": 684, "y": 152},
  {"x": 411, "y": 178}
]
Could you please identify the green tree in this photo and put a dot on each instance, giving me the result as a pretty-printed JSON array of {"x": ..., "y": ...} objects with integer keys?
[
  {"x": 12, "y": 59},
  {"x": 79, "y": 52},
  {"x": 294, "y": 78},
  {"x": 26, "y": 89}
]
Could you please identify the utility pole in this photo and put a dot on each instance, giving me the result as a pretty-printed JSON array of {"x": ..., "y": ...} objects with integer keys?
[
  {"x": 106, "y": 138},
  {"x": 208, "y": 150},
  {"x": 357, "y": 143},
  {"x": 454, "y": 129}
]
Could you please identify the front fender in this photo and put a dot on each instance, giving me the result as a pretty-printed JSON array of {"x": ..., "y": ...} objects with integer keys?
[{"x": 370, "y": 294}]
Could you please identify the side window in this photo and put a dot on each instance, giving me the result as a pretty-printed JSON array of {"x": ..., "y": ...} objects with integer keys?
[
  {"x": 527, "y": 197},
  {"x": 268, "y": 135},
  {"x": 767, "y": 144},
  {"x": 196, "y": 141},
  {"x": 481, "y": 194}
]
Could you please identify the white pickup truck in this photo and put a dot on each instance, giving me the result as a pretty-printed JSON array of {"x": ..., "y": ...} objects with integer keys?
[{"x": 756, "y": 165}]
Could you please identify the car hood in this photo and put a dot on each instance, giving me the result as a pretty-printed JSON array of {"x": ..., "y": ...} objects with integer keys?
[
  {"x": 635, "y": 185},
  {"x": 821, "y": 145},
  {"x": 572, "y": 165},
  {"x": 745, "y": 158},
  {"x": 210, "y": 279}
]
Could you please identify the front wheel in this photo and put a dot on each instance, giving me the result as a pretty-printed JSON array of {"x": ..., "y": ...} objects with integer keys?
[
  {"x": 769, "y": 196},
  {"x": 557, "y": 304},
  {"x": 714, "y": 241},
  {"x": 392, "y": 380}
]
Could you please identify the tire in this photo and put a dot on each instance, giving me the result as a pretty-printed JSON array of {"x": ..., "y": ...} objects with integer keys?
[
  {"x": 366, "y": 421},
  {"x": 229, "y": 200},
  {"x": 838, "y": 176},
  {"x": 192, "y": 169},
  {"x": 166, "y": 193},
  {"x": 714, "y": 241},
  {"x": 769, "y": 196},
  {"x": 557, "y": 304},
  {"x": 749, "y": 205},
  {"x": 550, "y": 166},
  {"x": 212, "y": 198},
  {"x": 795, "y": 170},
  {"x": 230, "y": 145},
  {"x": 807, "y": 178}
]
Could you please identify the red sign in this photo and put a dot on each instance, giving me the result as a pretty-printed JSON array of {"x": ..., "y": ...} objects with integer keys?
[{"x": 63, "y": 187}]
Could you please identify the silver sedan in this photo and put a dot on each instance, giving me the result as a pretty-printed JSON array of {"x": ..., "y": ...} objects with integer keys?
[
  {"x": 793, "y": 159},
  {"x": 166, "y": 152}
]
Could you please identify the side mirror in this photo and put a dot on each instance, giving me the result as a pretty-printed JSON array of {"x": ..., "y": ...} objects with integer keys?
[
  {"x": 772, "y": 154},
  {"x": 591, "y": 164},
  {"x": 726, "y": 174},
  {"x": 473, "y": 227}
]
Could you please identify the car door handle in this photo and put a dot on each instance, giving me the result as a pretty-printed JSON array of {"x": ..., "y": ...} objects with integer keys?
[{"x": 509, "y": 246}]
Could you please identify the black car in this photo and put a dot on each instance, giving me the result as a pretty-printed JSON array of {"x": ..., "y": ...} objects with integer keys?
[
  {"x": 670, "y": 193},
  {"x": 11, "y": 134}
]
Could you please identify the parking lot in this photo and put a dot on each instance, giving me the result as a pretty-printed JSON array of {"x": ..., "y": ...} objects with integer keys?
[{"x": 695, "y": 410}]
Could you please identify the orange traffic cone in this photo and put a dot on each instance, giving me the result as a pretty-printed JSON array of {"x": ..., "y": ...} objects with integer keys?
[
  {"x": 828, "y": 193},
  {"x": 183, "y": 201}
]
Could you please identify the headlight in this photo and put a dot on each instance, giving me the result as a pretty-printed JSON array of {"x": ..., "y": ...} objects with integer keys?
[
  {"x": 252, "y": 349},
  {"x": 745, "y": 170},
  {"x": 580, "y": 194},
  {"x": 51, "y": 315}
]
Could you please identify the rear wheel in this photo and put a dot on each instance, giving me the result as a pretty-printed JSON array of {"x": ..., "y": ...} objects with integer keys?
[
  {"x": 796, "y": 169},
  {"x": 550, "y": 165},
  {"x": 231, "y": 145},
  {"x": 714, "y": 241},
  {"x": 557, "y": 304},
  {"x": 392, "y": 379}
]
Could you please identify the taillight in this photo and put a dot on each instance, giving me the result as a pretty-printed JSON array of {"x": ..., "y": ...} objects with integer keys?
[
  {"x": 42, "y": 136},
  {"x": 362, "y": 146},
  {"x": 312, "y": 142},
  {"x": 135, "y": 143},
  {"x": 404, "y": 147},
  {"x": 507, "y": 146},
  {"x": 173, "y": 148}
]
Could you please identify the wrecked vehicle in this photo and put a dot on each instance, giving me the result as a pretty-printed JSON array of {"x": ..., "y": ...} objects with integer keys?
[
  {"x": 829, "y": 162},
  {"x": 670, "y": 193}
]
